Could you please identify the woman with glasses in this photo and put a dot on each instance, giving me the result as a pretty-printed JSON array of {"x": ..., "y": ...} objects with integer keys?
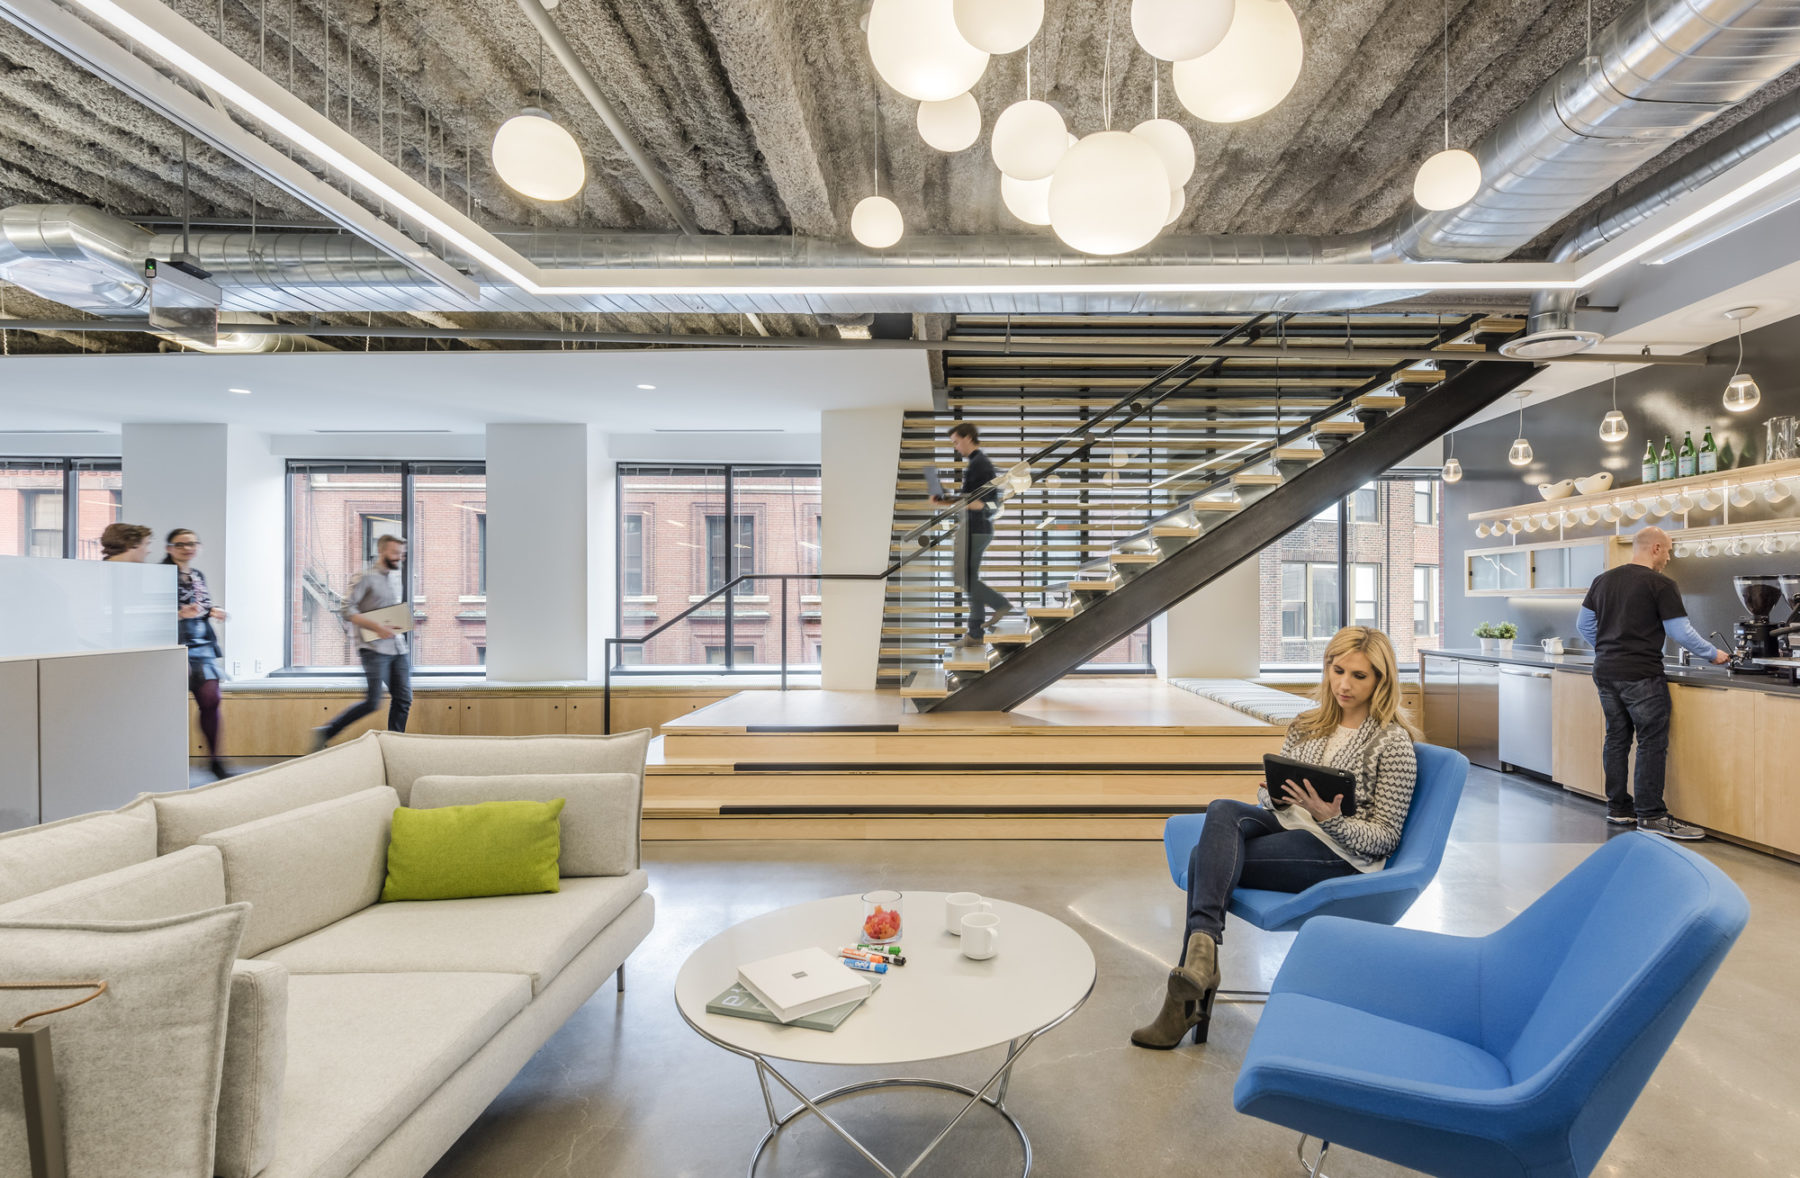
[{"x": 196, "y": 615}]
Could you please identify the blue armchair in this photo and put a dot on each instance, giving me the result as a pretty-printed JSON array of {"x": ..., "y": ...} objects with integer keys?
[
  {"x": 1514, "y": 1054},
  {"x": 1381, "y": 896}
]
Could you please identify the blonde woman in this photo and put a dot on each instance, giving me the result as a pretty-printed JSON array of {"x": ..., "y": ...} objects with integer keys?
[{"x": 1299, "y": 840}]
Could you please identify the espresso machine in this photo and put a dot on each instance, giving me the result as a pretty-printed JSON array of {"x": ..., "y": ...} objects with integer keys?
[{"x": 1756, "y": 637}]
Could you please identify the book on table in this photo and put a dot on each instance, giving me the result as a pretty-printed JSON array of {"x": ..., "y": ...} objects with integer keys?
[
  {"x": 738, "y": 1002},
  {"x": 806, "y": 981}
]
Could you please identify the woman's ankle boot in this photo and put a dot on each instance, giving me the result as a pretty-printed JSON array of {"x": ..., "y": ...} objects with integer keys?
[
  {"x": 1172, "y": 1023},
  {"x": 1198, "y": 974}
]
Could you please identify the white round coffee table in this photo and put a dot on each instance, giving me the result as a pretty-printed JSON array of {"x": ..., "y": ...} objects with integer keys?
[{"x": 938, "y": 1004}]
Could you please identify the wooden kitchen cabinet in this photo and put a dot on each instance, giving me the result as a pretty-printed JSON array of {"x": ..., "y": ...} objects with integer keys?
[
  {"x": 1712, "y": 771},
  {"x": 1777, "y": 782},
  {"x": 518, "y": 715},
  {"x": 1577, "y": 735}
]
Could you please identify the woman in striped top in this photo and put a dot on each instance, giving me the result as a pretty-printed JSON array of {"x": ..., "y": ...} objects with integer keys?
[{"x": 1290, "y": 843}]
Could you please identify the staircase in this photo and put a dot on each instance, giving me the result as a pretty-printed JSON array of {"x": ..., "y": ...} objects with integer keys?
[{"x": 1135, "y": 482}]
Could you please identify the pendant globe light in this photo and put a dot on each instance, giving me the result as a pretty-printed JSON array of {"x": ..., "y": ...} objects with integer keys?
[
  {"x": 1250, "y": 71},
  {"x": 1452, "y": 177},
  {"x": 1452, "y": 472},
  {"x": 1028, "y": 200},
  {"x": 998, "y": 26},
  {"x": 951, "y": 125},
  {"x": 876, "y": 221},
  {"x": 1030, "y": 138},
  {"x": 537, "y": 158},
  {"x": 916, "y": 48},
  {"x": 1520, "y": 454},
  {"x": 1612, "y": 426},
  {"x": 1109, "y": 194},
  {"x": 1742, "y": 393},
  {"x": 1177, "y": 30}
]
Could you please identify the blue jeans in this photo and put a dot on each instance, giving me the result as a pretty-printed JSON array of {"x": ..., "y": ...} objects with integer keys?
[
  {"x": 1635, "y": 708},
  {"x": 982, "y": 597},
  {"x": 1244, "y": 845},
  {"x": 393, "y": 669}
]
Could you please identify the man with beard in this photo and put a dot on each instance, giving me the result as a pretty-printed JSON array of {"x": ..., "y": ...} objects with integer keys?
[{"x": 384, "y": 656}]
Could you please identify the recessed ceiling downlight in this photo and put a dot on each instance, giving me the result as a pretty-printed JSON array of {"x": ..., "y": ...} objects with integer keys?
[
  {"x": 648, "y": 388},
  {"x": 244, "y": 392},
  {"x": 1549, "y": 345}
]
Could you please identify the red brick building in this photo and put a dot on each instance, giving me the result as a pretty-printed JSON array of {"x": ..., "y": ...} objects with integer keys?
[{"x": 33, "y": 507}]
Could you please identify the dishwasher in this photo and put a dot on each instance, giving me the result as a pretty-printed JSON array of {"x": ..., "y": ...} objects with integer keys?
[{"x": 1525, "y": 719}]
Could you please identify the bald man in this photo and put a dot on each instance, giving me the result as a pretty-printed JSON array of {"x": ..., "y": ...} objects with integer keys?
[{"x": 1628, "y": 613}]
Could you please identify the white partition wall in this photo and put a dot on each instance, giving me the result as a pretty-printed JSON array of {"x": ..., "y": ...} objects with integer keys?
[
  {"x": 1214, "y": 634},
  {"x": 18, "y": 743},
  {"x": 110, "y": 726},
  {"x": 58, "y": 606},
  {"x": 859, "y": 449}
]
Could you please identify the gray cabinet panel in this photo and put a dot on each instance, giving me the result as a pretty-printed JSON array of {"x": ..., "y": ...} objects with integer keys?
[{"x": 18, "y": 744}]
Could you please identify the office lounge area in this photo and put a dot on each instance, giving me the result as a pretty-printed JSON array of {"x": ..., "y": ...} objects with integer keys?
[{"x": 654, "y": 410}]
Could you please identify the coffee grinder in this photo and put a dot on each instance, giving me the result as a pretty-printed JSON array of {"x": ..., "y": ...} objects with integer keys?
[
  {"x": 1785, "y": 634},
  {"x": 1755, "y": 636}
]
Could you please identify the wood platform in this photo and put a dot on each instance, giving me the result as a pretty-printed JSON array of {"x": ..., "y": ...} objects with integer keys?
[{"x": 1089, "y": 758}]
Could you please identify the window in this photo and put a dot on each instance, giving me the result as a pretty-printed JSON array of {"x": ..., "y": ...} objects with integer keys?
[
  {"x": 687, "y": 530},
  {"x": 1327, "y": 570},
  {"x": 338, "y": 510},
  {"x": 631, "y": 556},
  {"x": 1425, "y": 502},
  {"x": 57, "y": 507},
  {"x": 723, "y": 564},
  {"x": 1366, "y": 607},
  {"x": 1425, "y": 600}
]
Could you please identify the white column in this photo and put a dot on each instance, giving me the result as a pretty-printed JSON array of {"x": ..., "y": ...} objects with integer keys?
[
  {"x": 545, "y": 550},
  {"x": 1215, "y": 633},
  {"x": 222, "y": 482},
  {"x": 859, "y": 449}
]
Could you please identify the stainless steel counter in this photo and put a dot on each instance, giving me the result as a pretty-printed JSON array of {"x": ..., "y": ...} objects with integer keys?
[{"x": 1699, "y": 674}]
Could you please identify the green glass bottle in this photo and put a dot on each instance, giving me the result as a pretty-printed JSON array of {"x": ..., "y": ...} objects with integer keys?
[
  {"x": 1665, "y": 466},
  {"x": 1685, "y": 457},
  {"x": 1709, "y": 454},
  {"x": 1649, "y": 473}
]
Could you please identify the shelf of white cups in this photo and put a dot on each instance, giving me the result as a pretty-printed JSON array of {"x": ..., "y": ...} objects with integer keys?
[{"x": 1591, "y": 502}]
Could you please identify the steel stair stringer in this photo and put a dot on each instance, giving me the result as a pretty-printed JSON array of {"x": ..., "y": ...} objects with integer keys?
[{"x": 1104, "y": 621}]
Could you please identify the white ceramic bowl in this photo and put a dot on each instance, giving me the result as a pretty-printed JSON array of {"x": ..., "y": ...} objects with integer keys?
[
  {"x": 1595, "y": 484},
  {"x": 1560, "y": 490}
]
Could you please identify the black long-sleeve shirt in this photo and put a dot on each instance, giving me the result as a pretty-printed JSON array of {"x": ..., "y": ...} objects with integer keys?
[{"x": 977, "y": 474}]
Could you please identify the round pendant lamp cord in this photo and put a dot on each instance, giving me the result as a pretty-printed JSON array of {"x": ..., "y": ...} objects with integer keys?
[{"x": 1446, "y": 75}]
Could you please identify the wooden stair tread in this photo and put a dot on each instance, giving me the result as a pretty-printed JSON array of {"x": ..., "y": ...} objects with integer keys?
[
  {"x": 1256, "y": 480},
  {"x": 1216, "y": 505},
  {"x": 1419, "y": 376},
  {"x": 1135, "y": 558},
  {"x": 1298, "y": 454},
  {"x": 927, "y": 684},
  {"x": 1055, "y": 612},
  {"x": 1175, "y": 531},
  {"x": 1380, "y": 401},
  {"x": 1339, "y": 428},
  {"x": 968, "y": 658}
]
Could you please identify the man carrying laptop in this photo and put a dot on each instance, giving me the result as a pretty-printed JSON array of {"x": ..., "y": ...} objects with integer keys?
[{"x": 376, "y": 607}]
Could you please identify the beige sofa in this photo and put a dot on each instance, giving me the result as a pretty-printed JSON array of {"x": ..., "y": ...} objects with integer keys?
[{"x": 362, "y": 1038}]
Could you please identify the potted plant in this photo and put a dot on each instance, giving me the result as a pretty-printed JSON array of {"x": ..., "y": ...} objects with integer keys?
[
  {"x": 1489, "y": 635},
  {"x": 1506, "y": 632}
]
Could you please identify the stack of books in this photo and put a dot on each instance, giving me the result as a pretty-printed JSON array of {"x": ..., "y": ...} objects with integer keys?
[{"x": 807, "y": 988}]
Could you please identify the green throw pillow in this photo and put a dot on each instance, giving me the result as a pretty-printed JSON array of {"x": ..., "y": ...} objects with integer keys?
[{"x": 490, "y": 849}]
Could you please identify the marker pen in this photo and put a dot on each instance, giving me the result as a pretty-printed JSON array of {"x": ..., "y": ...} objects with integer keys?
[
  {"x": 872, "y": 955},
  {"x": 865, "y": 966},
  {"x": 890, "y": 950}
]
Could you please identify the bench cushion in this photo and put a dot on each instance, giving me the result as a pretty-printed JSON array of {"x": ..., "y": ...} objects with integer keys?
[
  {"x": 1271, "y": 705},
  {"x": 185, "y": 815},
  {"x": 365, "y": 1050},
  {"x": 303, "y": 869},
  {"x": 39, "y": 858},
  {"x": 410, "y": 756},
  {"x": 600, "y": 815},
  {"x": 531, "y": 935}
]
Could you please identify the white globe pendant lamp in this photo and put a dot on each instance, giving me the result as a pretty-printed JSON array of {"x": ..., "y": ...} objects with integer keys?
[
  {"x": 1177, "y": 204},
  {"x": 1520, "y": 453},
  {"x": 998, "y": 26},
  {"x": 951, "y": 125},
  {"x": 916, "y": 49},
  {"x": 1173, "y": 144},
  {"x": 1613, "y": 427},
  {"x": 537, "y": 158},
  {"x": 1448, "y": 180},
  {"x": 1177, "y": 30},
  {"x": 1028, "y": 200},
  {"x": 876, "y": 222},
  {"x": 1250, "y": 71},
  {"x": 1452, "y": 472},
  {"x": 1742, "y": 393},
  {"x": 1109, "y": 194},
  {"x": 1030, "y": 138}
]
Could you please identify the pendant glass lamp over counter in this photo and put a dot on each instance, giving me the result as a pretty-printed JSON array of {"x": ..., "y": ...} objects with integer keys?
[
  {"x": 1520, "y": 454},
  {"x": 1452, "y": 472},
  {"x": 537, "y": 158},
  {"x": 1742, "y": 393},
  {"x": 1613, "y": 427}
]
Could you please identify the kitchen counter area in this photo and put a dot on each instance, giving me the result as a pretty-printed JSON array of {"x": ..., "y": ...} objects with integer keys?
[{"x": 1733, "y": 741}]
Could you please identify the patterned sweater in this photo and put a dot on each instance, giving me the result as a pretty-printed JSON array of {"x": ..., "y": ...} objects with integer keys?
[{"x": 1381, "y": 759}]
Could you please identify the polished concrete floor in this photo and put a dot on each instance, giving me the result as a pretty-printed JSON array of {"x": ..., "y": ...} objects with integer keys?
[{"x": 626, "y": 1089}]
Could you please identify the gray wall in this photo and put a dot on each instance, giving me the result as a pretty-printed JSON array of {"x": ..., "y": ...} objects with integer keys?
[{"x": 1565, "y": 441}]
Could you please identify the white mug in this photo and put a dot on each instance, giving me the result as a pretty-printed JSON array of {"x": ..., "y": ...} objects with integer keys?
[
  {"x": 980, "y": 935},
  {"x": 960, "y": 904}
]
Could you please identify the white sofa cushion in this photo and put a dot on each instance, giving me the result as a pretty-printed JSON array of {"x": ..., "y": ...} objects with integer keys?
[
  {"x": 365, "y": 1050},
  {"x": 600, "y": 816},
  {"x": 534, "y": 935},
  {"x": 187, "y": 881},
  {"x": 410, "y": 756},
  {"x": 138, "y": 1067},
  {"x": 256, "y": 1050},
  {"x": 184, "y": 816},
  {"x": 306, "y": 868},
  {"x": 39, "y": 858}
]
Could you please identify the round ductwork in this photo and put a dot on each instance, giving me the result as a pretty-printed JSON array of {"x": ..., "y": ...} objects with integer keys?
[{"x": 1550, "y": 345}]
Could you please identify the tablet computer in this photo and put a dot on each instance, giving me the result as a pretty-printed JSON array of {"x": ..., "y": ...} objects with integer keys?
[{"x": 1327, "y": 782}]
